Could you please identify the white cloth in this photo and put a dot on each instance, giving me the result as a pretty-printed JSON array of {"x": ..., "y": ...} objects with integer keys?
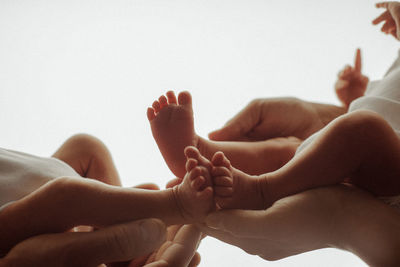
[
  {"x": 21, "y": 174},
  {"x": 383, "y": 97}
]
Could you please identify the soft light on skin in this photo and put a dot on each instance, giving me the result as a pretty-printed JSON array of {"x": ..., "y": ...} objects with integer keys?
[{"x": 95, "y": 67}]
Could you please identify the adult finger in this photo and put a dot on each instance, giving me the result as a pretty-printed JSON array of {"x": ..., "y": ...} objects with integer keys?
[
  {"x": 357, "y": 61},
  {"x": 73, "y": 202},
  {"x": 121, "y": 242},
  {"x": 115, "y": 243},
  {"x": 237, "y": 128},
  {"x": 384, "y": 16},
  {"x": 181, "y": 250}
]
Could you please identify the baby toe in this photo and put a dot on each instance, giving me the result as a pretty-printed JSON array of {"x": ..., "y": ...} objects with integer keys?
[
  {"x": 163, "y": 101},
  {"x": 171, "y": 97}
]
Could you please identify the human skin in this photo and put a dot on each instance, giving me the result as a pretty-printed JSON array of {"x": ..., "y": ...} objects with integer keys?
[
  {"x": 351, "y": 83},
  {"x": 88, "y": 248},
  {"x": 35, "y": 212},
  {"x": 390, "y": 18},
  {"x": 172, "y": 125},
  {"x": 353, "y": 148},
  {"x": 269, "y": 118},
  {"x": 104, "y": 245},
  {"x": 90, "y": 158},
  {"x": 340, "y": 216}
]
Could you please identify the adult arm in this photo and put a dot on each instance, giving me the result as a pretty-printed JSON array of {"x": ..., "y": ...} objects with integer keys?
[
  {"x": 267, "y": 118},
  {"x": 115, "y": 242},
  {"x": 339, "y": 216}
]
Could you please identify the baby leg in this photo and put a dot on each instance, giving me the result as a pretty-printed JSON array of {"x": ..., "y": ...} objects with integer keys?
[
  {"x": 234, "y": 188},
  {"x": 89, "y": 157},
  {"x": 359, "y": 147},
  {"x": 172, "y": 125},
  {"x": 66, "y": 202}
]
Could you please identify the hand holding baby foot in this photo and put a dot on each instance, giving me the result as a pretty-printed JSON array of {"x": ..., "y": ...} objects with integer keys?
[
  {"x": 391, "y": 18},
  {"x": 351, "y": 83},
  {"x": 195, "y": 193}
]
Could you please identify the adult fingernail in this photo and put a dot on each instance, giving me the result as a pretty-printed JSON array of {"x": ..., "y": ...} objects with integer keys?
[{"x": 152, "y": 229}]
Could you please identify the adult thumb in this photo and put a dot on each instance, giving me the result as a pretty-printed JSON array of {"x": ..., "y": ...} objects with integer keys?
[{"x": 237, "y": 128}]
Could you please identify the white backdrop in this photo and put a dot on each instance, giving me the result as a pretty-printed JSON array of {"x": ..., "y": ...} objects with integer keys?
[{"x": 94, "y": 66}]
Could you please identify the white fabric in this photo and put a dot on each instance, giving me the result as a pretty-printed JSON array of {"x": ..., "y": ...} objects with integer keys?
[
  {"x": 21, "y": 174},
  {"x": 383, "y": 97}
]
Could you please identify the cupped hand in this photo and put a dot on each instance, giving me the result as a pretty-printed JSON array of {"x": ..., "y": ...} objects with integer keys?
[
  {"x": 268, "y": 118},
  {"x": 351, "y": 83},
  {"x": 178, "y": 251},
  {"x": 340, "y": 216},
  {"x": 390, "y": 18}
]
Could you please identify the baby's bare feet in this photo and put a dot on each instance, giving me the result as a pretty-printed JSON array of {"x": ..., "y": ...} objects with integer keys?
[
  {"x": 234, "y": 189},
  {"x": 172, "y": 126},
  {"x": 195, "y": 193}
]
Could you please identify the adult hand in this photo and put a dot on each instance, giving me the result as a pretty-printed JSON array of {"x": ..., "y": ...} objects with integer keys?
[
  {"x": 339, "y": 216},
  {"x": 351, "y": 83},
  {"x": 391, "y": 18},
  {"x": 80, "y": 249},
  {"x": 276, "y": 117},
  {"x": 178, "y": 251},
  {"x": 111, "y": 244}
]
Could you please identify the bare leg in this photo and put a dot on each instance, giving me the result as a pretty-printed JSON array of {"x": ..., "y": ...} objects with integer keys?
[
  {"x": 172, "y": 126},
  {"x": 360, "y": 148},
  {"x": 89, "y": 157},
  {"x": 93, "y": 203}
]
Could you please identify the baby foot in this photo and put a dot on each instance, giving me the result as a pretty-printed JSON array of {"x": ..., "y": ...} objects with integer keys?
[
  {"x": 234, "y": 189},
  {"x": 172, "y": 126},
  {"x": 195, "y": 193}
]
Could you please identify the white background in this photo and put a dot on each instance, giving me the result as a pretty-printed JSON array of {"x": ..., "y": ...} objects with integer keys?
[{"x": 95, "y": 66}]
